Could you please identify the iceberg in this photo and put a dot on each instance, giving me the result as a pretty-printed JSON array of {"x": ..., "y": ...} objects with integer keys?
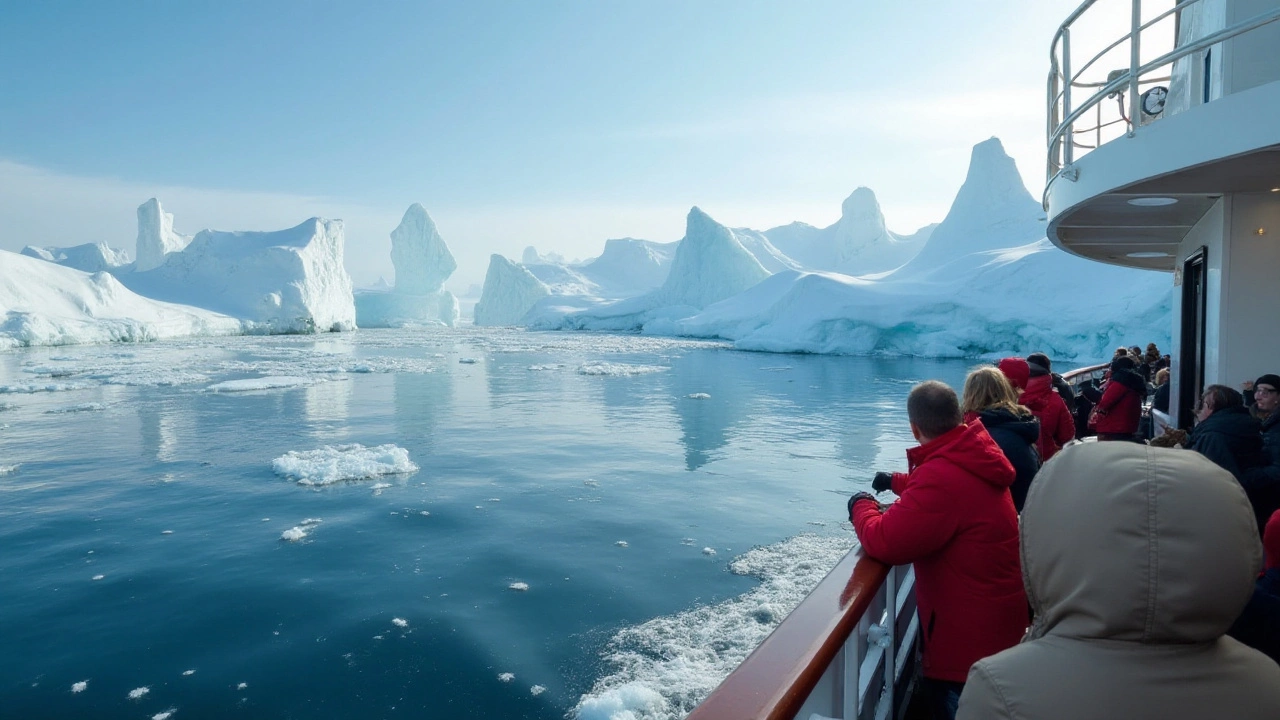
[
  {"x": 285, "y": 281},
  {"x": 986, "y": 283},
  {"x": 90, "y": 257},
  {"x": 48, "y": 304},
  {"x": 857, "y": 244},
  {"x": 629, "y": 266},
  {"x": 423, "y": 263},
  {"x": 156, "y": 237},
  {"x": 510, "y": 292}
]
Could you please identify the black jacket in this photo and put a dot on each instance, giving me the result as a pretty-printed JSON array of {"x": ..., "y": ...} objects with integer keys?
[
  {"x": 1259, "y": 625},
  {"x": 1262, "y": 483},
  {"x": 1065, "y": 392},
  {"x": 1231, "y": 438},
  {"x": 1161, "y": 400},
  {"x": 1016, "y": 435}
]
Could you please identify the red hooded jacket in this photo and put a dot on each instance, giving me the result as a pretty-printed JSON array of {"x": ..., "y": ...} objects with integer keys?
[
  {"x": 955, "y": 521},
  {"x": 1057, "y": 426},
  {"x": 1119, "y": 410}
]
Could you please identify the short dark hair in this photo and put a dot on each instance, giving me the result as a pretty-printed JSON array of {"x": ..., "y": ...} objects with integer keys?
[
  {"x": 1223, "y": 396},
  {"x": 934, "y": 408},
  {"x": 1040, "y": 359}
]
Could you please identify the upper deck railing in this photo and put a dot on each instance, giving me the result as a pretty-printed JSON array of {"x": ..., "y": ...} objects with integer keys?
[{"x": 1074, "y": 124}]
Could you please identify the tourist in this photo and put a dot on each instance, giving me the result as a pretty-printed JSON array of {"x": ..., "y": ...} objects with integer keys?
[
  {"x": 1063, "y": 387},
  {"x": 1119, "y": 410},
  {"x": 1160, "y": 419},
  {"x": 1057, "y": 426},
  {"x": 1225, "y": 432},
  {"x": 1263, "y": 482},
  {"x": 1138, "y": 560},
  {"x": 991, "y": 400},
  {"x": 1259, "y": 625},
  {"x": 955, "y": 521}
]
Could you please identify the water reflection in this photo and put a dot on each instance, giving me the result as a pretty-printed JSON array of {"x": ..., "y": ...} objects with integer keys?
[
  {"x": 710, "y": 400},
  {"x": 423, "y": 401},
  {"x": 327, "y": 406}
]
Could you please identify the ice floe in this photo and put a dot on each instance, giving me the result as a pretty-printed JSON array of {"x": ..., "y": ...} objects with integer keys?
[
  {"x": 298, "y": 532},
  {"x": 271, "y": 382},
  {"x": 82, "y": 407},
  {"x": 138, "y": 693},
  {"x": 518, "y": 586},
  {"x": 336, "y": 463},
  {"x": 699, "y": 396},
  {"x": 165, "y": 714},
  {"x": 537, "y": 690},
  {"x": 400, "y": 622},
  {"x": 618, "y": 369},
  {"x": 506, "y": 677},
  {"x": 80, "y": 686}
]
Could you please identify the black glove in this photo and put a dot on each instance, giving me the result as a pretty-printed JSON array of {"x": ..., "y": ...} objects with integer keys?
[
  {"x": 862, "y": 496},
  {"x": 883, "y": 481}
]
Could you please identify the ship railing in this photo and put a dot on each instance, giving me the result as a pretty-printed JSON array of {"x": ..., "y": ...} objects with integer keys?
[
  {"x": 1066, "y": 112},
  {"x": 1080, "y": 376},
  {"x": 847, "y": 652}
]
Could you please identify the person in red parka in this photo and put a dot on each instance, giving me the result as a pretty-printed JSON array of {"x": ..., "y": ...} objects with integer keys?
[
  {"x": 1120, "y": 409},
  {"x": 956, "y": 523},
  {"x": 1057, "y": 426}
]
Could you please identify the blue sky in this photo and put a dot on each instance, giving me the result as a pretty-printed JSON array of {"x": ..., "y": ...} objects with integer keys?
[{"x": 557, "y": 124}]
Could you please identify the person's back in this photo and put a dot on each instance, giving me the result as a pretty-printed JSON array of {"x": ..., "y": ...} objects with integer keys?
[
  {"x": 1119, "y": 410},
  {"x": 1137, "y": 560},
  {"x": 1259, "y": 625}
]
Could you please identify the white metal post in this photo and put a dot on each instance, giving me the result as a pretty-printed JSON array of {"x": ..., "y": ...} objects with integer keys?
[
  {"x": 890, "y": 664},
  {"x": 1135, "y": 62},
  {"x": 1068, "y": 151}
]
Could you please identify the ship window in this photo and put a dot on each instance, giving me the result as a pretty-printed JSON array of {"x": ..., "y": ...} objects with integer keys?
[{"x": 1208, "y": 64}]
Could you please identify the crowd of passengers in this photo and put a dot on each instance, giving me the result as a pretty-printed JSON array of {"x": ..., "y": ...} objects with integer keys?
[{"x": 1131, "y": 577}]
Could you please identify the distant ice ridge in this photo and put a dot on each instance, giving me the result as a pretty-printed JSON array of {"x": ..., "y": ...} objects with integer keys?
[
  {"x": 90, "y": 257},
  {"x": 663, "y": 668},
  {"x": 858, "y": 244},
  {"x": 47, "y": 304},
  {"x": 286, "y": 281},
  {"x": 423, "y": 262},
  {"x": 987, "y": 282},
  {"x": 331, "y": 464}
]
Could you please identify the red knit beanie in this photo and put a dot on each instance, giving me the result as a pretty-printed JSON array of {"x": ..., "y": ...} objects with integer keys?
[
  {"x": 1271, "y": 541},
  {"x": 1017, "y": 370}
]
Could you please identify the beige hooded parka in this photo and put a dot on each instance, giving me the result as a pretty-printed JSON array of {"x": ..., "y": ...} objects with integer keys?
[{"x": 1136, "y": 560}]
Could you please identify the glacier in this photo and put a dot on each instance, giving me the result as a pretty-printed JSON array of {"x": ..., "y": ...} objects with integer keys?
[
  {"x": 510, "y": 292},
  {"x": 286, "y": 281},
  {"x": 859, "y": 243},
  {"x": 89, "y": 257},
  {"x": 48, "y": 304},
  {"x": 423, "y": 263}
]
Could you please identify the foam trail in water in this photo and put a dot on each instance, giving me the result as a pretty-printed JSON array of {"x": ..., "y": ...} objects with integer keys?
[{"x": 663, "y": 668}]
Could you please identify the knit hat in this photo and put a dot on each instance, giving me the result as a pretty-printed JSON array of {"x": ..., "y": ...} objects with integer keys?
[
  {"x": 1017, "y": 370},
  {"x": 1271, "y": 541},
  {"x": 1039, "y": 358},
  {"x": 1123, "y": 363},
  {"x": 1268, "y": 379}
]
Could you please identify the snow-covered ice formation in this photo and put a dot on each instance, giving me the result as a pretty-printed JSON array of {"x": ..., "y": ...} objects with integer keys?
[
  {"x": 90, "y": 257},
  {"x": 47, "y": 304},
  {"x": 510, "y": 291},
  {"x": 156, "y": 237},
  {"x": 987, "y": 282},
  {"x": 857, "y": 244},
  {"x": 285, "y": 281},
  {"x": 423, "y": 262},
  {"x": 629, "y": 266},
  {"x": 331, "y": 464}
]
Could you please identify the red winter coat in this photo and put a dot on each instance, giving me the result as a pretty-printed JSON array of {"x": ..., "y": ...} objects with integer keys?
[
  {"x": 1057, "y": 426},
  {"x": 1119, "y": 410},
  {"x": 955, "y": 522}
]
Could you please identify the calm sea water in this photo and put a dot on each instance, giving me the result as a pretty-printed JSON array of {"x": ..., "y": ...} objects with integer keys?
[{"x": 616, "y": 477}]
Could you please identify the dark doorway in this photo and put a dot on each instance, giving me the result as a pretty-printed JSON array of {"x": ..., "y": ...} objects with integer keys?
[{"x": 1191, "y": 350}]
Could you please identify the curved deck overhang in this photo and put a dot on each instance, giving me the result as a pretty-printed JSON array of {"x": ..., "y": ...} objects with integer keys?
[{"x": 1230, "y": 145}]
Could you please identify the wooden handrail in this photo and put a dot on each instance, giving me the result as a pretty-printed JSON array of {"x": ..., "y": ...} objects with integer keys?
[{"x": 775, "y": 680}]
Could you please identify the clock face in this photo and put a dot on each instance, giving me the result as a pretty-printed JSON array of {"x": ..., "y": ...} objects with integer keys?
[{"x": 1153, "y": 100}]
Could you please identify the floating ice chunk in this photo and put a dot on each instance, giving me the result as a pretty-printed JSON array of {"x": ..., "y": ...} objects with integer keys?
[
  {"x": 699, "y": 396},
  {"x": 29, "y": 388},
  {"x": 519, "y": 586},
  {"x": 549, "y": 366},
  {"x": 5, "y": 406},
  {"x": 138, "y": 693},
  {"x": 165, "y": 714},
  {"x": 166, "y": 532},
  {"x": 494, "y": 500},
  {"x": 9, "y": 469},
  {"x": 468, "y": 361},
  {"x": 618, "y": 369},
  {"x": 185, "y": 673},
  {"x": 331, "y": 464},
  {"x": 708, "y": 551},
  {"x": 82, "y": 407},
  {"x": 506, "y": 677},
  {"x": 80, "y": 686},
  {"x": 294, "y": 534},
  {"x": 687, "y": 541},
  {"x": 590, "y": 483},
  {"x": 270, "y": 382},
  {"x": 425, "y": 513},
  {"x": 621, "y": 543},
  {"x": 537, "y": 690},
  {"x": 242, "y": 686},
  {"x": 98, "y": 577},
  {"x": 400, "y": 622}
]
